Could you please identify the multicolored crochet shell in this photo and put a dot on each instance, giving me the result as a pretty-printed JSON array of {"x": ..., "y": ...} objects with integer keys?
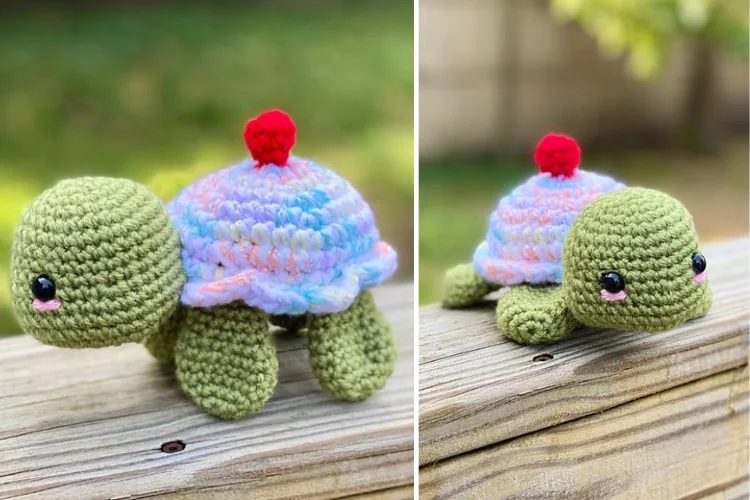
[
  {"x": 527, "y": 229},
  {"x": 287, "y": 239}
]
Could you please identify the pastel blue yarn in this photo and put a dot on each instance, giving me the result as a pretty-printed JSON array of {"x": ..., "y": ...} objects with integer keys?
[{"x": 288, "y": 240}]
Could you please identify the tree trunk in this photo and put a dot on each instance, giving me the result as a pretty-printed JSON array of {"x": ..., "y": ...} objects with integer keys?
[{"x": 702, "y": 119}]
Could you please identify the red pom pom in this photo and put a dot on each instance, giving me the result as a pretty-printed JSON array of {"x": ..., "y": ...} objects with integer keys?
[
  {"x": 557, "y": 154},
  {"x": 270, "y": 137}
]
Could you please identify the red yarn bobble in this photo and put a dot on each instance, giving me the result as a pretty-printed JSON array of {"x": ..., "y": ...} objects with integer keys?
[
  {"x": 557, "y": 154},
  {"x": 270, "y": 137}
]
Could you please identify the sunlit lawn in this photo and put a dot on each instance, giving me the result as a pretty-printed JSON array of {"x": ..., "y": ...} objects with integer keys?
[
  {"x": 456, "y": 199},
  {"x": 161, "y": 95}
]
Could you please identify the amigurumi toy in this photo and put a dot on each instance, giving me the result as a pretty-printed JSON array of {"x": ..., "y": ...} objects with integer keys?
[
  {"x": 580, "y": 249},
  {"x": 99, "y": 262}
]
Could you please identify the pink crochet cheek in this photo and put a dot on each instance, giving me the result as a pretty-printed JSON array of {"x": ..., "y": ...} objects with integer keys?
[
  {"x": 50, "y": 305},
  {"x": 700, "y": 277},
  {"x": 612, "y": 297}
]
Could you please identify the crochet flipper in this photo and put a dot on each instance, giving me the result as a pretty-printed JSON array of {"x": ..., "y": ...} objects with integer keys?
[
  {"x": 534, "y": 314},
  {"x": 226, "y": 361},
  {"x": 464, "y": 287},
  {"x": 161, "y": 344},
  {"x": 352, "y": 353}
]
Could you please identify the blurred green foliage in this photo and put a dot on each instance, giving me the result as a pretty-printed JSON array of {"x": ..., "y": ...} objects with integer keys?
[
  {"x": 161, "y": 94},
  {"x": 456, "y": 199},
  {"x": 645, "y": 29}
]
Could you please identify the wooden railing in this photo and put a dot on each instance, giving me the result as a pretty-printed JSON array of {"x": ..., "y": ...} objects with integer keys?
[
  {"x": 603, "y": 414},
  {"x": 109, "y": 423}
]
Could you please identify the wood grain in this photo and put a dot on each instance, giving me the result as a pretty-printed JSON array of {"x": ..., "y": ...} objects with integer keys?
[
  {"x": 402, "y": 493},
  {"x": 687, "y": 442},
  {"x": 89, "y": 424},
  {"x": 478, "y": 389}
]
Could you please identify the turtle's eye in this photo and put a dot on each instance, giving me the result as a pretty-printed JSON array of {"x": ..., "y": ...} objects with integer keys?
[
  {"x": 613, "y": 287},
  {"x": 699, "y": 263},
  {"x": 43, "y": 287},
  {"x": 699, "y": 267},
  {"x": 613, "y": 282}
]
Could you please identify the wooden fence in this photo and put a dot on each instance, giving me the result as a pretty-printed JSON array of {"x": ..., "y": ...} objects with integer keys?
[{"x": 497, "y": 74}]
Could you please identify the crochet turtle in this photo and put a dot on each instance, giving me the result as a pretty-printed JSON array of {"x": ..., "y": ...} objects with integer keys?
[
  {"x": 580, "y": 249},
  {"x": 99, "y": 262}
]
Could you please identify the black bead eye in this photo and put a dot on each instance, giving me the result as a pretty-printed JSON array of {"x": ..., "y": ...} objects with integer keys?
[
  {"x": 43, "y": 288},
  {"x": 699, "y": 263},
  {"x": 613, "y": 282}
]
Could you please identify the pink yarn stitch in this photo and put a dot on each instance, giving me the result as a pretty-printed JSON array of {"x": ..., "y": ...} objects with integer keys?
[
  {"x": 526, "y": 232},
  {"x": 613, "y": 297}
]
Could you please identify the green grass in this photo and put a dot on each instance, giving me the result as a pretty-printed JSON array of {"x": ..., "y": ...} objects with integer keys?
[
  {"x": 457, "y": 198},
  {"x": 161, "y": 95}
]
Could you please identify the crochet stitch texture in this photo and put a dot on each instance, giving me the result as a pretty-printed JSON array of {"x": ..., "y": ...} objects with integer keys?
[
  {"x": 648, "y": 237},
  {"x": 527, "y": 229},
  {"x": 227, "y": 362},
  {"x": 535, "y": 314},
  {"x": 287, "y": 239},
  {"x": 582, "y": 249},
  {"x": 363, "y": 350},
  {"x": 464, "y": 286},
  {"x": 114, "y": 255},
  {"x": 99, "y": 262}
]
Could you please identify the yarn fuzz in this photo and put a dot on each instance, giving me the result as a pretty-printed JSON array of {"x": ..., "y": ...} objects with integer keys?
[
  {"x": 527, "y": 229},
  {"x": 288, "y": 239}
]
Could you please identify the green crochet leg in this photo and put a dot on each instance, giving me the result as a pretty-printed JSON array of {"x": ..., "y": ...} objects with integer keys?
[
  {"x": 534, "y": 315},
  {"x": 352, "y": 352},
  {"x": 225, "y": 360},
  {"x": 464, "y": 287},
  {"x": 291, "y": 323},
  {"x": 161, "y": 344}
]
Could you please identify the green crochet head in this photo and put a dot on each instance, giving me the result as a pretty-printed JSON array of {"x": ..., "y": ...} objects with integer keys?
[
  {"x": 103, "y": 255},
  {"x": 632, "y": 261}
]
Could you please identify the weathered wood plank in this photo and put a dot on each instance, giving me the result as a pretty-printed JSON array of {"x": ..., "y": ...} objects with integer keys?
[
  {"x": 477, "y": 389},
  {"x": 89, "y": 424},
  {"x": 687, "y": 442},
  {"x": 402, "y": 493},
  {"x": 735, "y": 491}
]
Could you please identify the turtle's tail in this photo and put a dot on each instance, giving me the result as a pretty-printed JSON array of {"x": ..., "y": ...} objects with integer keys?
[{"x": 464, "y": 287}]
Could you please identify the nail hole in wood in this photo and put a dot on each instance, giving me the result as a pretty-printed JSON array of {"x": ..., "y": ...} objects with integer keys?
[
  {"x": 172, "y": 446},
  {"x": 542, "y": 357}
]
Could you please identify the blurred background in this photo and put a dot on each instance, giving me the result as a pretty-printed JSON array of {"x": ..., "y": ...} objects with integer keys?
[
  {"x": 656, "y": 92},
  {"x": 160, "y": 92}
]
